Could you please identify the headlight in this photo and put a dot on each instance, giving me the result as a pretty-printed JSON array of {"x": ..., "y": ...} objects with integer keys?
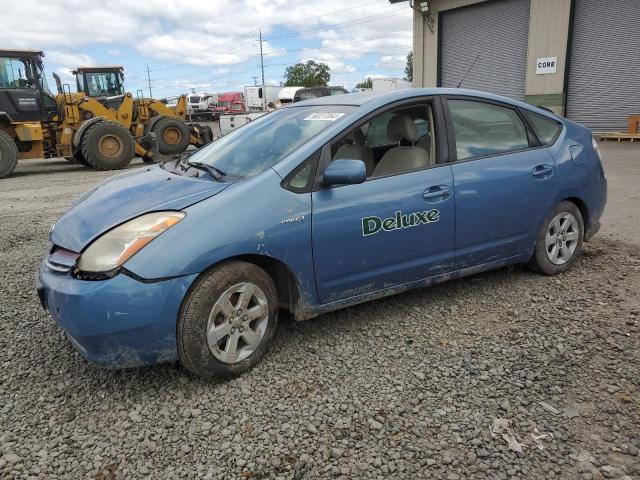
[{"x": 115, "y": 247}]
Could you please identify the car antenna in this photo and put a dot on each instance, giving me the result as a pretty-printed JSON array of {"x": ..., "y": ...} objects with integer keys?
[{"x": 468, "y": 70}]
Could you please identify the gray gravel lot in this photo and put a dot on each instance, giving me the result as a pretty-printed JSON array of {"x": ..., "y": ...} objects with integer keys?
[{"x": 405, "y": 387}]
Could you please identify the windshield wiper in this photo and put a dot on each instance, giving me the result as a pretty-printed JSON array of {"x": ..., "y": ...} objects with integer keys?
[{"x": 213, "y": 171}]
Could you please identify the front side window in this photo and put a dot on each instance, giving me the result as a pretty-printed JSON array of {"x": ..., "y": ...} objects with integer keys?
[
  {"x": 545, "y": 128},
  {"x": 14, "y": 74},
  {"x": 392, "y": 143},
  {"x": 482, "y": 129},
  {"x": 264, "y": 142}
]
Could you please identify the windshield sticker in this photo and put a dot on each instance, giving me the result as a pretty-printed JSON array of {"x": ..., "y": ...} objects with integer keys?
[
  {"x": 372, "y": 225},
  {"x": 325, "y": 116}
]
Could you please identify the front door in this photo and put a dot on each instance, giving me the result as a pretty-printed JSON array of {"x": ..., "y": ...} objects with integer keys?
[{"x": 396, "y": 227}]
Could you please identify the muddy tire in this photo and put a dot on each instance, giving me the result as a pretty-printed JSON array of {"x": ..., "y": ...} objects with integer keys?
[
  {"x": 559, "y": 241},
  {"x": 172, "y": 136},
  {"x": 78, "y": 157},
  {"x": 8, "y": 154},
  {"x": 227, "y": 320},
  {"x": 107, "y": 146}
]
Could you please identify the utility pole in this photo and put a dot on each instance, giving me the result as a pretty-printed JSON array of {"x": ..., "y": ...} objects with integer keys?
[
  {"x": 264, "y": 94},
  {"x": 149, "y": 81},
  {"x": 255, "y": 81}
]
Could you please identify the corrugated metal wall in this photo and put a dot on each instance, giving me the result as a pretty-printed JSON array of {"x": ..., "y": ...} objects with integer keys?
[
  {"x": 604, "y": 64},
  {"x": 496, "y": 30}
]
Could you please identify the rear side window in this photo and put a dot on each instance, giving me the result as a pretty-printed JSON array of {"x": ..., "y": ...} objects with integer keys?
[
  {"x": 546, "y": 129},
  {"x": 482, "y": 129}
]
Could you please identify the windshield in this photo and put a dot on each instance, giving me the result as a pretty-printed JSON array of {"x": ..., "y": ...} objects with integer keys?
[
  {"x": 101, "y": 84},
  {"x": 263, "y": 143}
]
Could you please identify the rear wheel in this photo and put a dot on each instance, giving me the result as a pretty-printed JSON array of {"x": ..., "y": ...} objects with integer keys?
[
  {"x": 227, "y": 320},
  {"x": 559, "y": 241},
  {"x": 8, "y": 154},
  {"x": 172, "y": 136},
  {"x": 107, "y": 146}
]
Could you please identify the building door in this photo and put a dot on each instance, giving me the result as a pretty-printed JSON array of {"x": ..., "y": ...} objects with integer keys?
[
  {"x": 604, "y": 64},
  {"x": 496, "y": 33}
]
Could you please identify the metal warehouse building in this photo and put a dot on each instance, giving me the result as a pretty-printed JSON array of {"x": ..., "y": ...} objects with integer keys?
[{"x": 581, "y": 58}]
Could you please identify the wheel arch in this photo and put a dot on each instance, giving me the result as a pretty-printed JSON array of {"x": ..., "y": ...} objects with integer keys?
[
  {"x": 286, "y": 282},
  {"x": 283, "y": 278},
  {"x": 77, "y": 135},
  {"x": 584, "y": 211}
]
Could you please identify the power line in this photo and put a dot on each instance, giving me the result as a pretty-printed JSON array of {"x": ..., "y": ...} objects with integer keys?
[
  {"x": 340, "y": 25},
  {"x": 294, "y": 22}
]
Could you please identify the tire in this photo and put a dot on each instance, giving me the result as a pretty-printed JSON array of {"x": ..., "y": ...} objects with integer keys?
[
  {"x": 78, "y": 157},
  {"x": 210, "y": 355},
  {"x": 107, "y": 146},
  {"x": 559, "y": 241},
  {"x": 8, "y": 154},
  {"x": 172, "y": 136}
]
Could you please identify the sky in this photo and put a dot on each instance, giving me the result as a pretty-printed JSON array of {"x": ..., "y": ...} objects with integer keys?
[{"x": 211, "y": 45}]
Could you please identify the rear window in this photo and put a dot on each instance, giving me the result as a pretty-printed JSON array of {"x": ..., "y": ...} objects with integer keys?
[{"x": 546, "y": 129}]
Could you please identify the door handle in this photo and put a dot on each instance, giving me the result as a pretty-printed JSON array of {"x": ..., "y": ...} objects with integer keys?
[
  {"x": 542, "y": 171},
  {"x": 440, "y": 191}
]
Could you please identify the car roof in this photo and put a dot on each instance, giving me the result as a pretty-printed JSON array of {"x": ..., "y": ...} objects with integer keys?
[{"x": 376, "y": 99}]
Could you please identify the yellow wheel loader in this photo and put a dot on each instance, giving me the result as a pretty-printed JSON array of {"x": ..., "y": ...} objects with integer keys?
[
  {"x": 34, "y": 123},
  {"x": 173, "y": 134}
]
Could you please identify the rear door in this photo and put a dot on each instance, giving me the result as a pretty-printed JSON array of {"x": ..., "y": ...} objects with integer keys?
[
  {"x": 504, "y": 180},
  {"x": 390, "y": 230}
]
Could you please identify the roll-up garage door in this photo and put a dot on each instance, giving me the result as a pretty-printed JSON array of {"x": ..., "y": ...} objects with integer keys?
[
  {"x": 604, "y": 64},
  {"x": 498, "y": 31}
]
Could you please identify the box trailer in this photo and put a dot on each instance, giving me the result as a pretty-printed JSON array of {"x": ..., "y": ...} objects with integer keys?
[
  {"x": 229, "y": 122},
  {"x": 387, "y": 84},
  {"x": 258, "y": 97}
]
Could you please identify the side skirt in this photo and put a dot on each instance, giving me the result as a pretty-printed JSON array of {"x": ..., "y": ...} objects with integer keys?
[{"x": 305, "y": 312}]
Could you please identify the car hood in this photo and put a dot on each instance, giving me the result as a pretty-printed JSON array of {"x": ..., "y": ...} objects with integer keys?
[{"x": 127, "y": 196}]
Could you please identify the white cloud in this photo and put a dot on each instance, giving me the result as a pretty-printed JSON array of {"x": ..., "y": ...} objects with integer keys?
[
  {"x": 392, "y": 61},
  {"x": 70, "y": 59},
  {"x": 212, "y": 36},
  {"x": 199, "y": 33},
  {"x": 184, "y": 84}
]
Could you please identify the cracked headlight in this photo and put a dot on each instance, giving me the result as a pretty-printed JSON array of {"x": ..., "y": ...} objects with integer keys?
[{"x": 119, "y": 244}]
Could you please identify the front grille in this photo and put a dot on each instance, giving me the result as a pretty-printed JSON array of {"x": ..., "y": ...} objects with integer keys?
[{"x": 93, "y": 276}]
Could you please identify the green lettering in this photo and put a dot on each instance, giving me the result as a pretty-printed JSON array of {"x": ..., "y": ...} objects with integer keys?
[
  {"x": 421, "y": 217},
  {"x": 408, "y": 220},
  {"x": 433, "y": 215},
  {"x": 371, "y": 225},
  {"x": 389, "y": 224}
]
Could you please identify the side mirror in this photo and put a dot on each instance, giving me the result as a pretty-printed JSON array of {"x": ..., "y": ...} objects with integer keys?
[{"x": 345, "y": 172}]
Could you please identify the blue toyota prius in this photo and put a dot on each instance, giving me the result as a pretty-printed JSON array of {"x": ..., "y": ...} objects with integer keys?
[{"x": 317, "y": 206}]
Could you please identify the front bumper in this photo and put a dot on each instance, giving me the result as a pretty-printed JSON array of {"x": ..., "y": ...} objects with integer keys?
[{"x": 118, "y": 323}]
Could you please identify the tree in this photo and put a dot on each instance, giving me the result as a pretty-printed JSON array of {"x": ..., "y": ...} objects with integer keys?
[
  {"x": 309, "y": 74},
  {"x": 408, "y": 70},
  {"x": 365, "y": 83}
]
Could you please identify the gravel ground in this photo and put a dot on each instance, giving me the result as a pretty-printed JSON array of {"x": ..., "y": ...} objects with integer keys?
[{"x": 430, "y": 384}]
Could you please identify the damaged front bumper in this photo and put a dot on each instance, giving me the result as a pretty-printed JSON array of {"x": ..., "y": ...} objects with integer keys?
[{"x": 119, "y": 322}]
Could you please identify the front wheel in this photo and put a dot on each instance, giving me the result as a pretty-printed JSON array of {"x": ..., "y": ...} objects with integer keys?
[
  {"x": 227, "y": 320},
  {"x": 560, "y": 240},
  {"x": 107, "y": 146}
]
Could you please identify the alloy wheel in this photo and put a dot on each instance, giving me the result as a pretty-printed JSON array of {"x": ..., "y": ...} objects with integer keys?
[
  {"x": 562, "y": 238},
  {"x": 237, "y": 322}
]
